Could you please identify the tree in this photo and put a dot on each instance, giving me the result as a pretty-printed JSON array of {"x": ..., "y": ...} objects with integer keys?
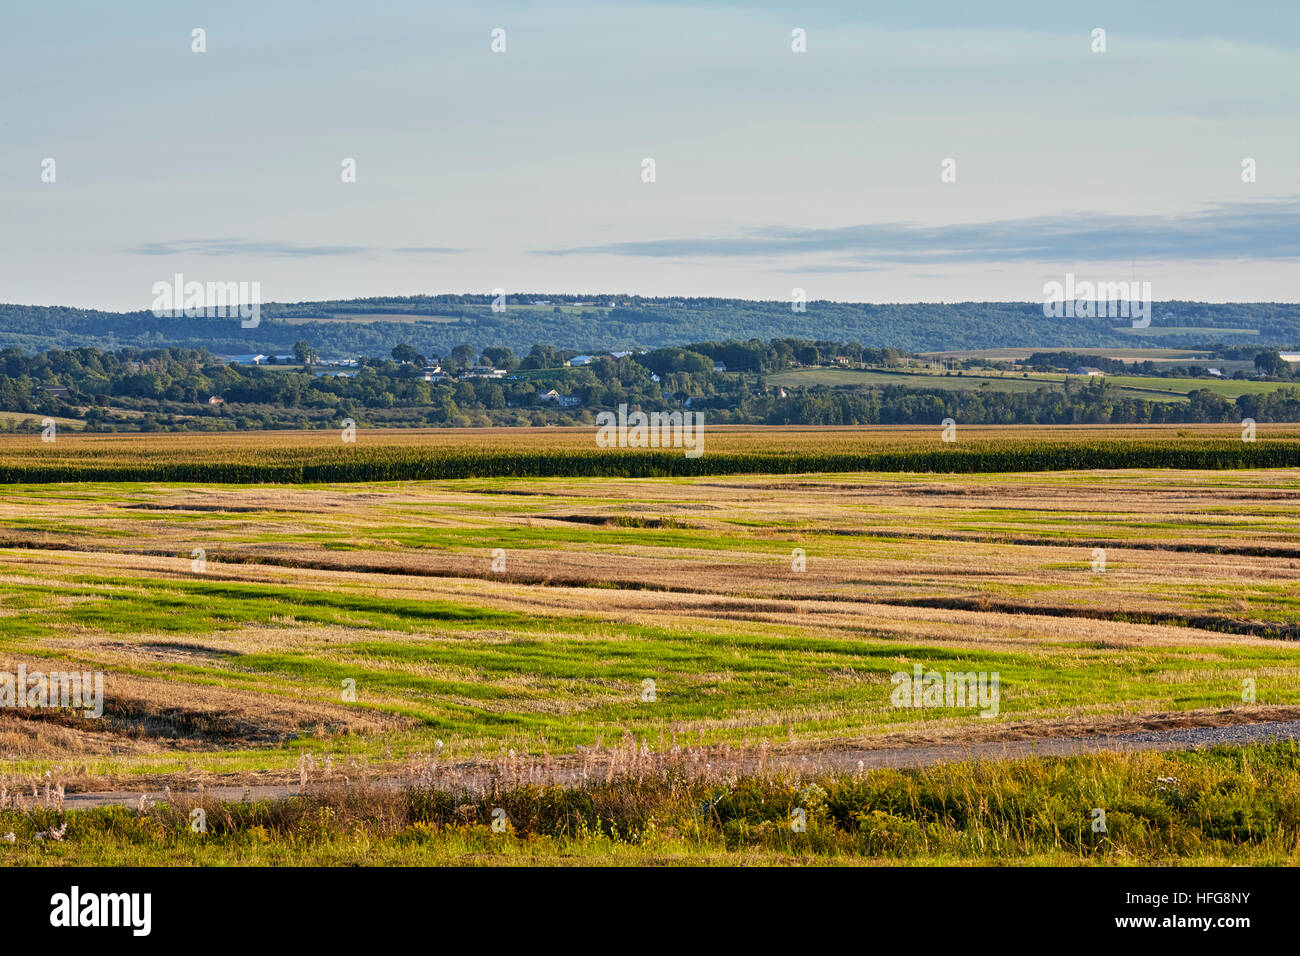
[
  {"x": 304, "y": 353},
  {"x": 664, "y": 361},
  {"x": 462, "y": 355},
  {"x": 1271, "y": 363},
  {"x": 541, "y": 356},
  {"x": 405, "y": 353},
  {"x": 500, "y": 357}
]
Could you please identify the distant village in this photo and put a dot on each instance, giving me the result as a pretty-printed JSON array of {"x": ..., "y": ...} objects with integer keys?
[{"x": 433, "y": 372}]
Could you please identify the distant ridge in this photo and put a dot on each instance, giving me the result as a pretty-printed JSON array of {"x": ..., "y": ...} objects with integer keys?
[{"x": 588, "y": 322}]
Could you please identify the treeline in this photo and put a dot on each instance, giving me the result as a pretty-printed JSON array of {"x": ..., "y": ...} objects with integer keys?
[
  {"x": 183, "y": 389},
  {"x": 1086, "y": 403},
  {"x": 1053, "y": 361},
  {"x": 437, "y": 324},
  {"x": 1268, "y": 362}
]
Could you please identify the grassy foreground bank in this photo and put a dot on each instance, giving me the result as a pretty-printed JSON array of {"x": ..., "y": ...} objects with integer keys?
[{"x": 1223, "y": 806}]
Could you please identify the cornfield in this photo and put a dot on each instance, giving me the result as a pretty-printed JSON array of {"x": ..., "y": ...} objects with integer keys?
[{"x": 320, "y": 457}]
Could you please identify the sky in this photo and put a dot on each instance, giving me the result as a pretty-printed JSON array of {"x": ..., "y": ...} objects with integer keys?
[{"x": 773, "y": 169}]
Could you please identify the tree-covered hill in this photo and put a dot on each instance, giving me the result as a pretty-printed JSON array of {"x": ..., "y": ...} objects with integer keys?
[{"x": 437, "y": 324}]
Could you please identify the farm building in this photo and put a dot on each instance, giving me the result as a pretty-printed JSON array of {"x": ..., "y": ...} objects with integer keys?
[{"x": 564, "y": 401}]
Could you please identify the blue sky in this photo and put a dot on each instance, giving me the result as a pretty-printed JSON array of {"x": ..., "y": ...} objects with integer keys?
[{"x": 775, "y": 170}]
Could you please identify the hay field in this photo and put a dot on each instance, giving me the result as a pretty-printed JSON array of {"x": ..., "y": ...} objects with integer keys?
[{"x": 477, "y": 616}]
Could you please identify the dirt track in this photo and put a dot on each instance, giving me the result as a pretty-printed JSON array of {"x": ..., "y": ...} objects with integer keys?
[{"x": 846, "y": 759}]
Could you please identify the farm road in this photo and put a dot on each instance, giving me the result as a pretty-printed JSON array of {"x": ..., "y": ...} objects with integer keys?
[{"x": 568, "y": 770}]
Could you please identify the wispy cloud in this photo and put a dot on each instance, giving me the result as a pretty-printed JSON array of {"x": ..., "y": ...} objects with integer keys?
[
  {"x": 1246, "y": 230},
  {"x": 248, "y": 247}
]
